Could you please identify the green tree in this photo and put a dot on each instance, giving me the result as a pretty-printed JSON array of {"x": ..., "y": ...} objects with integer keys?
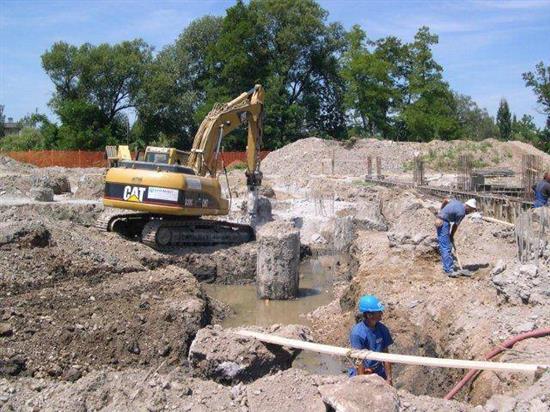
[
  {"x": 525, "y": 129},
  {"x": 173, "y": 91},
  {"x": 372, "y": 77},
  {"x": 288, "y": 47},
  {"x": 504, "y": 120},
  {"x": 37, "y": 133},
  {"x": 94, "y": 85},
  {"x": 539, "y": 81},
  {"x": 28, "y": 138},
  {"x": 48, "y": 130},
  {"x": 429, "y": 110},
  {"x": 475, "y": 123}
]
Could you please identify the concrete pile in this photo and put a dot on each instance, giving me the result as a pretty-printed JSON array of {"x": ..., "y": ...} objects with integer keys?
[{"x": 278, "y": 259}]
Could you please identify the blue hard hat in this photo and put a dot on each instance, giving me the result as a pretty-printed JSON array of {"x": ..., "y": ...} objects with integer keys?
[{"x": 370, "y": 303}]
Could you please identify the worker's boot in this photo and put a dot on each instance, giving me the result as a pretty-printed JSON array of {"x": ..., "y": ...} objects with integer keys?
[
  {"x": 459, "y": 272},
  {"x": 465, "y": 272},
  {"x": 452, "y": 274}
]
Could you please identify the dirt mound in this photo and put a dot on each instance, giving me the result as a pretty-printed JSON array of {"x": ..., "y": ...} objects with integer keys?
[
  {"x": 127, "y": 391},
  {"x": 522, "y": 284},
  {"x": 138, "y": 318},
  {"x": 231, "y": 266},
  {"x": 73, "y": 251},
  {"x": 58, "y": 183},
  {"x": 313, "y": 156},
  {"x": 291, "y": 390},
  {"x": 412, "y": 221},
  {"x": 12, "y": 165},
  {"x": 367, "y": 392},
  {"x": 17, "y": 180},
  {"x": 172, "y": 389},
  {"x": 89, "y": 186},
  {"x": 25, "y": 234}
]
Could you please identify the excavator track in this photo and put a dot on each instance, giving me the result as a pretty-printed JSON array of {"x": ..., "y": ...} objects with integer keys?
[
  {"x": 167, "y": 234},
  {"x": 127, "y": 224}
]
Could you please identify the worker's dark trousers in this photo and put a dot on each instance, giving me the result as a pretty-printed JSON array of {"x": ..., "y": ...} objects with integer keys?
[{"x": 445, "y": 246}]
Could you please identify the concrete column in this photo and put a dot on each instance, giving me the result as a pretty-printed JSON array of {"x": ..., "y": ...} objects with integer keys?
[
  {"x": 278, "y": 261},
  {"x": 344, "y": 233}
]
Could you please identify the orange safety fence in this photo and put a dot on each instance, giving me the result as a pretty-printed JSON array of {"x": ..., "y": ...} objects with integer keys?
[
  {"x": 81, "y": 158},
  {"x": 64, "y": 158},
  {"x": 230, "y": 157}
]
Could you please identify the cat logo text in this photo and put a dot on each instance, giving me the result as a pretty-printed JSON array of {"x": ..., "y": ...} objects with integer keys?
[{"x": 133, "y": 194}]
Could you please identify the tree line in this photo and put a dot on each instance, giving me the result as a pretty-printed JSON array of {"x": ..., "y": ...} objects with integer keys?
[{"x": 319, "y": 79}]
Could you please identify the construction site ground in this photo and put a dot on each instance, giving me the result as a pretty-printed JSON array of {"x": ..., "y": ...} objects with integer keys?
[{"x": 93, "y": 321}]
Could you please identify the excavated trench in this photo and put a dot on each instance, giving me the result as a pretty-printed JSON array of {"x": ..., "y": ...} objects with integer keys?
[
  {"x": 317, "y": 276},
  {"x": 413, "y": 333}
]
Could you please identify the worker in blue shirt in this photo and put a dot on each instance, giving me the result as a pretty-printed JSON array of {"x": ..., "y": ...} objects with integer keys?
[
  {"x": 542, "y": 191},
  {"x": 373, "y": 335},
  {"x": 451, "y": 213}
]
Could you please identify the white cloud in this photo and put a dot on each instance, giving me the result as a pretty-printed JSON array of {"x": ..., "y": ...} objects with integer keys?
[{"x": 513, "y": 4}]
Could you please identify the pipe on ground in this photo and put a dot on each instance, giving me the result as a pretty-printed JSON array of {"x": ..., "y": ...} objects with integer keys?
[{"x": 537, "y": 333}]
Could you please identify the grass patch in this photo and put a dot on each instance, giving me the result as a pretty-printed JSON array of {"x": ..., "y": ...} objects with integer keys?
[
  {"x": 448, "y": 160},
  {"x": 236, "y": 165},
  {"x": 362, "y": 183}
]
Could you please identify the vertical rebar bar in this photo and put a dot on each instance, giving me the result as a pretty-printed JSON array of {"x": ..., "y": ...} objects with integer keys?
[
  {"x": 464, "y": 172},
  {"x": 369, "y": 166},
  {"x": 531, "y": 168},
  {"x": 418, "y": 173}
]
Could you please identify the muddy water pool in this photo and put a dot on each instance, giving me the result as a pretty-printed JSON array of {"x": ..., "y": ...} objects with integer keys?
[{"x": 316, "y": 280}]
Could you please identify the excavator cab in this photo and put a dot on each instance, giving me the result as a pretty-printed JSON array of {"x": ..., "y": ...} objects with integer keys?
[{"x": 166, "y": 155}]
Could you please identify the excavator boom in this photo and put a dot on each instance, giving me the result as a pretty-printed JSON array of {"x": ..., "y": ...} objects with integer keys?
[{"x": 222, "y": 120}]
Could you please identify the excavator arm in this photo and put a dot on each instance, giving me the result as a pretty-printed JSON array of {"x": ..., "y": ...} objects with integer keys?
[{"x": 222, "y": 120}]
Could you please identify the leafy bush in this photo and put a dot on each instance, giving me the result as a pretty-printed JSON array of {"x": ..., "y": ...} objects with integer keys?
[
  {"x": 236, "y": 165},
  {"x": 28, "y": 139}
]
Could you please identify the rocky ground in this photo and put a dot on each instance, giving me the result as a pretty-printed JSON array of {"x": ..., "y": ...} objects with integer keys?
[{"x": 92, "y": 321}]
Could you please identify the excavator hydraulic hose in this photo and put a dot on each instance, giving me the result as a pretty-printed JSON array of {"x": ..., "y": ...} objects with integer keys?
[{"x": 537, "y": 333}]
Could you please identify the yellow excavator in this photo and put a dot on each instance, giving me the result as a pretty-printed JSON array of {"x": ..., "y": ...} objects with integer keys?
[{"x": 168, "y": 190}]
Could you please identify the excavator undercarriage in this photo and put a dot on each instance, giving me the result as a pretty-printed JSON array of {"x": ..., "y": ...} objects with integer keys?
[{"x": 165, "y": 233}]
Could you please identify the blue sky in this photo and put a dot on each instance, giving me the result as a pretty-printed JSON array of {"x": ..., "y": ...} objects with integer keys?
[{"x": 484, "y": 45}]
